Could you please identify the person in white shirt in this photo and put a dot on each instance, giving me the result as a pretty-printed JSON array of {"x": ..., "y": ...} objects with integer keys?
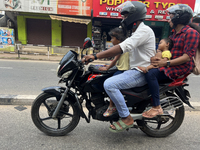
[{"x": 141, "y": 47}]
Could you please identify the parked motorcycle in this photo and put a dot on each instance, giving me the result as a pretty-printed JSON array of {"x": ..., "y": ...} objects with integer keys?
[{"x": 57, "y": 110}]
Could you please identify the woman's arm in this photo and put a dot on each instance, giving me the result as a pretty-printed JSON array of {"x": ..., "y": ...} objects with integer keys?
[{"x": 174, "y": 62}]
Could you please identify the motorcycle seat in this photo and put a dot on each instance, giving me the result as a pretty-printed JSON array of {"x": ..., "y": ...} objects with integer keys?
[
  {"x": 165, "y": 82},
  {"x": 140, "y": 89},
  {"x": 95, "y": 69}
]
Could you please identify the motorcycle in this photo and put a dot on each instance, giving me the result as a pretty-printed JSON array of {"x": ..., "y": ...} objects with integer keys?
[{"x": 57, "y": 110}]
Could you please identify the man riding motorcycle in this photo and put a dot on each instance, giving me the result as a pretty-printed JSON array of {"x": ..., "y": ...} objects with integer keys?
[{"x": 141, "y": 47}]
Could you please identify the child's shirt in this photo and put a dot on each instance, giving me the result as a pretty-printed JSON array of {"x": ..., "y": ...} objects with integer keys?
[
  {"x": 123, "y": 62},
  {"x": 166, "y": 54}
]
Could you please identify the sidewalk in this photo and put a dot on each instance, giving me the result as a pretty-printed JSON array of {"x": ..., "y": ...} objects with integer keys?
[
  {"x": 28, "y": 99},
  {"x": 40, "y": 57},
  {"x": 30, "y": 57}
]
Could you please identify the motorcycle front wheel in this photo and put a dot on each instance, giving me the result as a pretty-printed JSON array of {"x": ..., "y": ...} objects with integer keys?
[
  {"x": 42, "y": 111},
  {"x": 162, "y": 126}
]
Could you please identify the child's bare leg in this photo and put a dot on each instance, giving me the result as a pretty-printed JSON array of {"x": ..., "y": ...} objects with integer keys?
[
  {"x": 111, "y": 104},
  {"x": 111, "y": 109}
]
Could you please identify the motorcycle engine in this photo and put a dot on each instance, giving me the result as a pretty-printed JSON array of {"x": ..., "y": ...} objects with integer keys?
[
  {"x": 101, "y": 106},
  {"x": 97, "y": 99}
]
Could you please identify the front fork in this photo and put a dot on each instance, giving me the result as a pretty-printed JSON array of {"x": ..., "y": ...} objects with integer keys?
[
  {"x": 57, "y": 91},
  {"x": 61, "y": 101}
]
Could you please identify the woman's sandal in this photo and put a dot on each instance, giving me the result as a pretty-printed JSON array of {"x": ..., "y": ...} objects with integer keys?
[
  {"x": 156, "y": 112},
  {"x": 118, "y": 128},
  {"x": 109, "y": 111}
]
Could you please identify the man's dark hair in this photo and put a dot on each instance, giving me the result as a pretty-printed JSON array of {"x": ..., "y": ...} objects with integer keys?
[{"x": 118, "y": 33}]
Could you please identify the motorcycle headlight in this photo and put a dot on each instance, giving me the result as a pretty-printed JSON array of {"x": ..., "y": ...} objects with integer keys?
[{"x": 66, "y": 74}]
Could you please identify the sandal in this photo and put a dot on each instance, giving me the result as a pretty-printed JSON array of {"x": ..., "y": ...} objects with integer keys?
[
  {"x": 109, "y": 111},
  {"x": 118, "y": 128},
  {"x": 156, "y": 113}
]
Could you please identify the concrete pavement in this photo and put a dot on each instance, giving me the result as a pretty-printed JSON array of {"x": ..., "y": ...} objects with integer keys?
[{"x": 28, "y": 99}]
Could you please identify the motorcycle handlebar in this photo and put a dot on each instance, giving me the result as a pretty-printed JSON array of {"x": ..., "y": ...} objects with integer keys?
[{"x": 86, "y": 62}]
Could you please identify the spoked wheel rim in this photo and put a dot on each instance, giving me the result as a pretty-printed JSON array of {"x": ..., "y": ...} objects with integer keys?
[
  {"x": 43, "y": 109},
  {"x": 161, "y": 122},
  {"x": 163, "y": 125},
  {"x": 46, "y": 111}
]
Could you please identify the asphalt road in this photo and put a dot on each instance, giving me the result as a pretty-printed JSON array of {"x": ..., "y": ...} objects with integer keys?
[
  {"x": 18, "y": 132},
  {"x": 22, "y": 77},
  {"x": 25, "y": 77}
]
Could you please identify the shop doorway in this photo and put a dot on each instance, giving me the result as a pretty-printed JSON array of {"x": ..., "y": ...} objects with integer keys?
[
  {"x": 101, "y": 28},
  {"x": 73, "y": 34},
  {"x": 158, "y": 34},
  {"x": 38, "y": 31}
]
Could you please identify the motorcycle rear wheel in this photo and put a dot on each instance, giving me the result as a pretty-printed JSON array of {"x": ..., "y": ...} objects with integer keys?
[
  {"x": 166, "y": 126},
  {"x": 42, "y": 110}
]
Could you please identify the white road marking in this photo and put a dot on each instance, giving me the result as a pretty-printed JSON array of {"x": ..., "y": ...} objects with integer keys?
[{"x": 6, "y": 68}]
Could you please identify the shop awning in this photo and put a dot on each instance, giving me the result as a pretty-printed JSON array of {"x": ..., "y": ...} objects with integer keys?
[{"x": 70, "y": 19}]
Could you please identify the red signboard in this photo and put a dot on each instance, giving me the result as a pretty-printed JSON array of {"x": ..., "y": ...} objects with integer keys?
[
  {"x": 156, "y": 9},
  {"x": 74, "y": 7}
]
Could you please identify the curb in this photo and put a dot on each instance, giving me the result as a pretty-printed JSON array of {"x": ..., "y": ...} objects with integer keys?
[
  {"x": 41, "y": 57},
  {"x": 28, "y": 100},
  {"x": 17, "y": 99}
]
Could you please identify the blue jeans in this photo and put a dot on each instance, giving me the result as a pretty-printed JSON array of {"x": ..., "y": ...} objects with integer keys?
[
  {"x": 126, "y": 80},
  {"x": 152, "y": 78},
  {"x": 118, "y": 72}
]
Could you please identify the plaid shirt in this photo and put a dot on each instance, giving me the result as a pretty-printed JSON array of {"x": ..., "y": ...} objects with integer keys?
[{"x": 185, "y": 42}]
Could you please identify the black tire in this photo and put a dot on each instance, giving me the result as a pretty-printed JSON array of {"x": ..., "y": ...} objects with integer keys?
[
  {"x": 168, "y": 125},
  {"x": 42, "y": 110}
]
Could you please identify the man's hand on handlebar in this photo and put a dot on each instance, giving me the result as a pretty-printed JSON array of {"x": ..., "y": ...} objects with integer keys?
[{"x": 87, "y": 59}]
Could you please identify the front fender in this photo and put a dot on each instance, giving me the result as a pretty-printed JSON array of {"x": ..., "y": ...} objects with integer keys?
[
  {"x": 57, "y": 92},
  {"x": 54, "y": 90}
]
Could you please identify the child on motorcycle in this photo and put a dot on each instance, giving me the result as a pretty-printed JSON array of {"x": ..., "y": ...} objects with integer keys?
[
  {"x": 163, "y": 52},
  {"x": 121, "y": 61}
]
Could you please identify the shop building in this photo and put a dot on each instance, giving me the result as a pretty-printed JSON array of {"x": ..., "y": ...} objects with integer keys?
[
  {"x": 106, "y": 16},
  {"x": 51, "y": 23},
  {"x": 58, "y": 23}
]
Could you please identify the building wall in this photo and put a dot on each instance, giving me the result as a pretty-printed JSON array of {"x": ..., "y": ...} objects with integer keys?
[
  {"x": 21, "y": 28},
  {"x": 56, "y": 29}
]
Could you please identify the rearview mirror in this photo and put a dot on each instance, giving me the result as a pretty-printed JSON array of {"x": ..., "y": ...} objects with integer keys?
[{"x": 87, "y": 43}]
